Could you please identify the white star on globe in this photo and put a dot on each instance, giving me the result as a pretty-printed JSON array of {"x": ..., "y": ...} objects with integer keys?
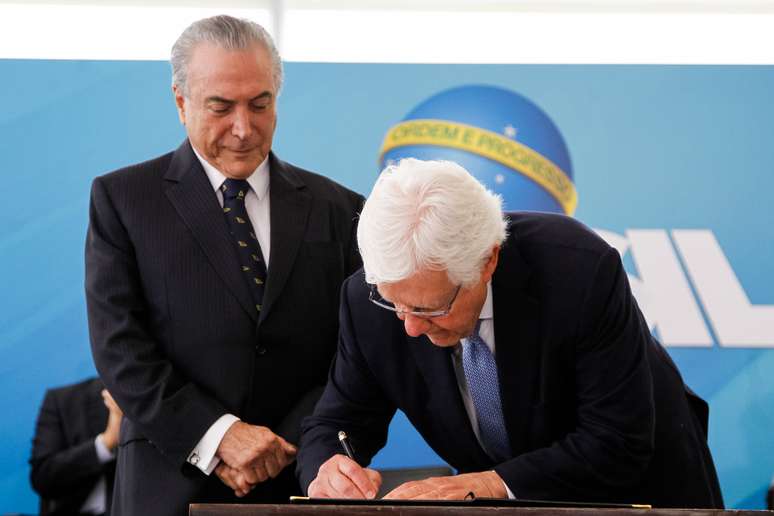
[
  {"x": 509, "y": 131},
  {"x": 499, "y": 179}
]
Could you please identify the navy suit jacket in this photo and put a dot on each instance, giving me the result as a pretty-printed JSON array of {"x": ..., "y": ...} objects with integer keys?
[
  {"x": 174, "y": 330},
  {"x": 595, "y": 409},
  {"x": 65, "y": 466}
]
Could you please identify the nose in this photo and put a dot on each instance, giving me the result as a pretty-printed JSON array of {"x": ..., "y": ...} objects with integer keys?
[
  {"x": 415, "y": 326},
  {"x": 241, "y": 127}
]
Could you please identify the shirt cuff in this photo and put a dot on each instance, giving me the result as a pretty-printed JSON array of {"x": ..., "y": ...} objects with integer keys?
[
  {"x": 103, "y": 453},
  {"x": 511, "y": 496},
  {"x": 203, "y": 454}
]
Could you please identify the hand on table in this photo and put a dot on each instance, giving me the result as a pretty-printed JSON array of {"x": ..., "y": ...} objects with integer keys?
[{"x": 486, "y": 484}]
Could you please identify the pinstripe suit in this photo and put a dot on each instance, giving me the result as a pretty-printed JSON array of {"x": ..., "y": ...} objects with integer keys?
[{"x": 174, "y": 331}]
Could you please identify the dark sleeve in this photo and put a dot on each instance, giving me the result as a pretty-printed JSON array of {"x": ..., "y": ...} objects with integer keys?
[
  {"x": 352, "y": 401},
  {"x": 57, "y": 466},
  {"x": 167, "y": 407},
  {"x": 290, "y": 426},
  {"x": 613, "y": 441}
]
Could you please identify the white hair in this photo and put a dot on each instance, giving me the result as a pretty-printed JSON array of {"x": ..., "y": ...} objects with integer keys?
[
  {"x": 226, "y": 32},
  {"x": 428, "y": 215}
]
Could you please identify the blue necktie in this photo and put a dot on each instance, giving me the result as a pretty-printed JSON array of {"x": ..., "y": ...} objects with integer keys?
[
  {"x": 484, "y": 388},
  {"x": 248, "y": 248}
]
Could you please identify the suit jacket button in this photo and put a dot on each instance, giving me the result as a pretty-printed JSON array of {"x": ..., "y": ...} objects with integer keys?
[{"x": 260, "y": 350}]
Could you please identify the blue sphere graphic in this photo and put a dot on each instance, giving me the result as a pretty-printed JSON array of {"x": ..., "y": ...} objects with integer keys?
[{"x": 512, "y": 117}]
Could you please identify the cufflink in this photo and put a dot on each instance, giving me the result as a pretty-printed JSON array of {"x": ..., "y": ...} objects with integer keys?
[{"x": 194, "y": 458}]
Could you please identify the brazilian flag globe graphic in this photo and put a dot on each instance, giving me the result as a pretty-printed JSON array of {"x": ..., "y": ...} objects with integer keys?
[{"x": 502, "y": 138}]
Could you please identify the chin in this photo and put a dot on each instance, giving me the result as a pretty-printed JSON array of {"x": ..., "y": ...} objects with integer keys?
[
  {"x": 241, "y": 169},
  {"x": 445, "y": 341}
]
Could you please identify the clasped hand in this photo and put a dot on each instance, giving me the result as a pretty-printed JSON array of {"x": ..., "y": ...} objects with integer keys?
[
  {"x": 250, "y": 455},
  {"x": 115, "y": 414}
]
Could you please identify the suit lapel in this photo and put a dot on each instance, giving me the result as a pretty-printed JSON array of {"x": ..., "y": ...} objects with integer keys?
[
  {"x": 516, "y": 343},
  {"x": 195, "y": 201},
  {"x": 435, "y": 363},
  {"x": 289, "y": 209}
]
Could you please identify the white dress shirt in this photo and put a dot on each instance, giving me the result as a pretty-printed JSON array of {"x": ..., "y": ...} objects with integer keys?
[
  {"x": 486, "y": 332},
  {"x": 96, "y": 502},
  {"x": 257, "y": 206},
  {"x": 256, "y": 201}
]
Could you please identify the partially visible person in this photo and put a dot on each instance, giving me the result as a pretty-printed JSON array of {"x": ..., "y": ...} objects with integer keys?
[
  {"x": 73, "y": 450},
  {"x": 770, "y": 496},
  {"x": 514, "y": 345}
]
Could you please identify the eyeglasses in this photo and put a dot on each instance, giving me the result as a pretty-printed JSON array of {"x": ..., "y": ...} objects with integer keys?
[{"x": 379, "y": 301}]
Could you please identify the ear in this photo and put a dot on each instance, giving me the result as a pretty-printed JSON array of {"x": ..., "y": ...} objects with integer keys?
[
  {"x": 180, "y": 103},
  {"x": 491, "y": 264}
]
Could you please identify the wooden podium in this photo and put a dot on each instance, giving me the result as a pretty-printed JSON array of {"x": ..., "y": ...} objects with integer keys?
[{"x": 389, "y": 510}]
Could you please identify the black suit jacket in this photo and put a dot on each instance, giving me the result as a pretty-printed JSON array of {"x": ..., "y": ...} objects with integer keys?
[
  {"x": 65, "y": 467},
  {"x": 174, "y": 331},
  {"x": 595, "y": 409}
]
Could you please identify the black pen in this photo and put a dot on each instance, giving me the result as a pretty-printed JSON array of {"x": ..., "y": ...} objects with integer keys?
[{"x": 344, "y": 440}]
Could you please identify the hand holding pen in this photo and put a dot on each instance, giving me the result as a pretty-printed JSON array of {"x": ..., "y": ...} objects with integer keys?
[{"x": 342, "y": 477}]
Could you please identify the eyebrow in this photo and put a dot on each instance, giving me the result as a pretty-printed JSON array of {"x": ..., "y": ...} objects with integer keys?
[
  {"x": 264, "y": 95},
  {"x": 216, "y": 98}
]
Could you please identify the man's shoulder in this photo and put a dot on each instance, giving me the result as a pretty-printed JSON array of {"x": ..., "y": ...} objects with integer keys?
[
  {"x": 356, "y": 282},
  {"x": 153, "y": 168},
  {"x": 553, "y": 231},
  {"x": 556, "y": 248},
  {"x": 318, "y": 184},
  {"x": 68, "y": 392}
]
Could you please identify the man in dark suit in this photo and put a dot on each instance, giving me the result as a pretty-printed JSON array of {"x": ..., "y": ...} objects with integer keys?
[
  {"x": 518, "y": 353},
  {"x": 212, "y": 282},
  {"x": 73, "y": 450}
]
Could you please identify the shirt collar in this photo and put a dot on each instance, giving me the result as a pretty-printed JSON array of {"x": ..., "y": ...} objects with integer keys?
[
  {"x": 487, "y": 310},
  {"x": 258, "y": 180},
  {"x": 486, "y": 313}
]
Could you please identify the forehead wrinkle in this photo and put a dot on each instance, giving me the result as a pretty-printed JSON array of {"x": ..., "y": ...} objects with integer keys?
[{"x": 203, "y": 75}]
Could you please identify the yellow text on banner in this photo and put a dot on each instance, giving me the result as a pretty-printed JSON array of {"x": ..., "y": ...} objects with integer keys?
[{"x": 491, "y": 145}]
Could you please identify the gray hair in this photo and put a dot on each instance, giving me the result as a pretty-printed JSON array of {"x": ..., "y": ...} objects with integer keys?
[
  {"x": 429, "y": 215},
  {"x": 227, "y": 32}
]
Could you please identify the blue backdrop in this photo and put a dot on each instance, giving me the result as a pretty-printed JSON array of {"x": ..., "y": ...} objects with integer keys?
[{"x": 655, "y": 150}]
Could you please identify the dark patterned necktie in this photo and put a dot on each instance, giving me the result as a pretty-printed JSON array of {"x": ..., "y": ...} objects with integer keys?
[
  {"x": 484, "y": 388},
  {"x": 245, "y": 239}
]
